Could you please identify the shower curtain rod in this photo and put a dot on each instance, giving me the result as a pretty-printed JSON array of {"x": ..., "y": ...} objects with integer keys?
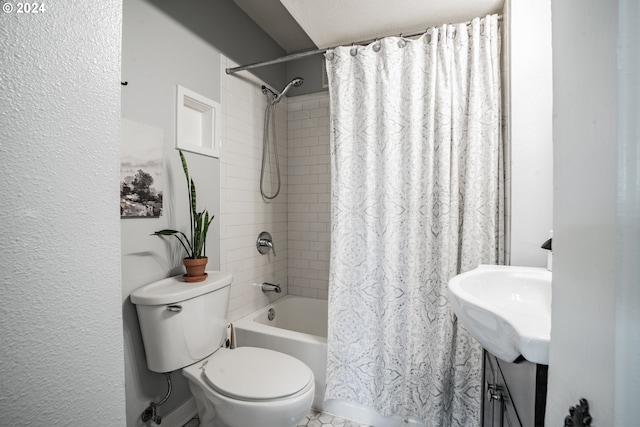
[{"x": 300, "y": 55}]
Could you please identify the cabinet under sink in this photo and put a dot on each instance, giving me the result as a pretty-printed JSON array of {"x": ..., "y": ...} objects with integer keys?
[{"x": 515, "y": 394}]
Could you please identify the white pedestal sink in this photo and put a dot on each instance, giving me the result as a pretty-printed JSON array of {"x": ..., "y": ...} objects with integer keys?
[{"x": 507, "y": 309}]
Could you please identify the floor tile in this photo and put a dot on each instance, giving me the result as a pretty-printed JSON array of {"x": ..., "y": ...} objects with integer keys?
[{"x": 312, "y": 419}]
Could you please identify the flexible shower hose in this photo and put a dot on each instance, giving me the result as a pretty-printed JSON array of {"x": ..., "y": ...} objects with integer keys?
[{"x": 269, "y": 114}]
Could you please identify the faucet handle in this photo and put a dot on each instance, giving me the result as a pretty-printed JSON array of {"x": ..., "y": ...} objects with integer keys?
[{"x": 264, "y": 243}]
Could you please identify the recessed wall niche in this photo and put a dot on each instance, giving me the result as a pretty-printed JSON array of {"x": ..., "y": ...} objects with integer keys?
[{"x": 197, "y": 125}]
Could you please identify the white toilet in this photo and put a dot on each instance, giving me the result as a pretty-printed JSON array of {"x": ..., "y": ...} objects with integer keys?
[{"x": 184, "y": 326}]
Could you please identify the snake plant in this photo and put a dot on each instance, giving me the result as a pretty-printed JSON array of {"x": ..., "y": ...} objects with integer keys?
[{"x": 196, "y": 246}]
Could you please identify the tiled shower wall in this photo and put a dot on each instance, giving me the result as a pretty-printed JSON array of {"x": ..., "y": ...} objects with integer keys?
[
  {"x": 243, "y": 213},
  {"x": 308, "y": 194},
  {"x": 298, "y": 219}
]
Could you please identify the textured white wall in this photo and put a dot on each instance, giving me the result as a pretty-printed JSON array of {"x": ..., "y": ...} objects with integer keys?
[
  {"x": 61, "y": 323},
  {"x": 531, "y": 130}
]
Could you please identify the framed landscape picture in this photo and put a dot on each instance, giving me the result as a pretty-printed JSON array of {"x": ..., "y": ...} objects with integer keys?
[{"x": 141, "y": 170}]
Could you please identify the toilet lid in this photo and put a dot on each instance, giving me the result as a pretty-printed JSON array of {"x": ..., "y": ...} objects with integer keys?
[{"x": 250, "y": 373}]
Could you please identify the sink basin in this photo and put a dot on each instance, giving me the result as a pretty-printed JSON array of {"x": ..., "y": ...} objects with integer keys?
[{"x": 507, "y": 309}]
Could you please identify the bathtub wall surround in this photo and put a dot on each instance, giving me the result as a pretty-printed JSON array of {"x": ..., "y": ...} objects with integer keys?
[
  {"x": 243, "y": 212},
  {"x": 308, "y": 193}
]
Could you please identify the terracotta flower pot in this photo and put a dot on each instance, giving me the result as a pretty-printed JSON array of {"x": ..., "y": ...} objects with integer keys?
[{"x": 195, "y": 269}]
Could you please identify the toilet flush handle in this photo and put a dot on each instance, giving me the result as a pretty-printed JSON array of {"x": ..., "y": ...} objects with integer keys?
[{"x": 174, "y": 308}]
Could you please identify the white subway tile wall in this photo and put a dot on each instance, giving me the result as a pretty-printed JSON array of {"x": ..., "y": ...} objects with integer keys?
[
  {"x": 243, "y": 212},
  {"x": 308, "y": 193}
]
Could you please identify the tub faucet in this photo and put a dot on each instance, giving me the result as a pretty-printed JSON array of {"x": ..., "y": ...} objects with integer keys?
[{"x": 270, "y": 287}]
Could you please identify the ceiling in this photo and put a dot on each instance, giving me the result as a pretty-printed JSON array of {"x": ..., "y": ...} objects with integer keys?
[{"x": 298, "y": 25}]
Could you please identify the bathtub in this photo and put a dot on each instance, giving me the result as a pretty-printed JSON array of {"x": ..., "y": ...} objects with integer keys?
[{"x": 299, "y": 329}]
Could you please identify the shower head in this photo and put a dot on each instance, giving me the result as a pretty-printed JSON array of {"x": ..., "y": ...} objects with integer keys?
[{"x": 296, "y": 82}]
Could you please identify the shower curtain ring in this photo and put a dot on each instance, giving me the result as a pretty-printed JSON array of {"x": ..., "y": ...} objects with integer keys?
[
  {"x": 376, "y": 45},
  {"x": 402, "y": 42}
]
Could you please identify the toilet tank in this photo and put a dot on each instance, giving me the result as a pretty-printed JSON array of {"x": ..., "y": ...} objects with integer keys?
[{"x": 182, "y": 323}]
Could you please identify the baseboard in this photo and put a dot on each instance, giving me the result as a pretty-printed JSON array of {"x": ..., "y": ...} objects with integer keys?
[{"x": 179, "y": 416}]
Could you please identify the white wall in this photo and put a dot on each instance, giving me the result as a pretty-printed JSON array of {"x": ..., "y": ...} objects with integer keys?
[
  {"x": 585, "y": 65},
  {"x": 531, "y": 130},
  {"x": 627, "y": 370},
  {"x": 61, "y": 323},
  {"x": 158, "y": 54},
  {"x": 160, "y": 51}
]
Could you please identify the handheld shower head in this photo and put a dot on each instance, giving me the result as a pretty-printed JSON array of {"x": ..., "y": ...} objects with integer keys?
[{"x": 296, "y": 82}]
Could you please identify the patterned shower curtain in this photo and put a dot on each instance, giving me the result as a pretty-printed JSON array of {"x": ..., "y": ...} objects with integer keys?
[{"x": 417, "y": 197}]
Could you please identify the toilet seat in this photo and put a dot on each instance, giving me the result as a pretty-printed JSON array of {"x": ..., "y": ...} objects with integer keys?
[{"x": 256, "y": 374}]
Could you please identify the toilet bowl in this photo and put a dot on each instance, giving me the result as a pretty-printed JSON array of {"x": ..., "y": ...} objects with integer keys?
[
  {"x": 183, "y": 326},
  {"x": 250, "y": 386}
]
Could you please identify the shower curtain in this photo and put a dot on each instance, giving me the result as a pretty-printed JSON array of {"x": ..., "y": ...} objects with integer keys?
[{"x": 417, "y": 197}]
